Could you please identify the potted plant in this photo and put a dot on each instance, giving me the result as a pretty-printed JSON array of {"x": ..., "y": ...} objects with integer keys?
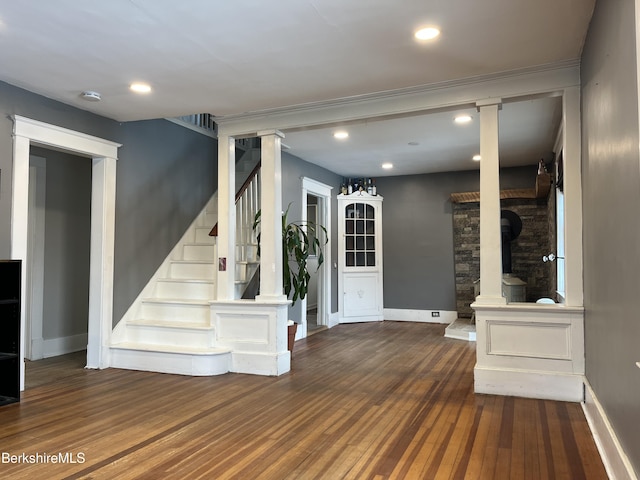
[{"x": 300, "y": 240}]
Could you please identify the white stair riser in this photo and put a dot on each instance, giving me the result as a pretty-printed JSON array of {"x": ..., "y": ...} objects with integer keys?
[
  {"x": 202, "y": 235},
  {"x": 198, "y": 252},
  {"x": 159, "y": 335},
  {"x": 209, "y": 219},
  {"x": 186, "y": 290},
  {"x": 203, "y": 271},
  {"x": 176, "y": 312},
  {"x": 196, "y": 365}
]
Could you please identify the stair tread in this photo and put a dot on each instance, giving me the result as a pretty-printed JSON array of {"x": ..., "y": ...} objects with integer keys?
[
  {"x": 177, "y": 301},
  {"x": 150, "y": 347},
  {"x": 147, "y": 322},
  {"x": 185, "y": 280},
  {"x": 199, "y": 262}
]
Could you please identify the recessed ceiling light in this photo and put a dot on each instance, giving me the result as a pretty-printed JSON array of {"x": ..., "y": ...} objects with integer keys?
[
  {"x": 387, "y": 165},
  {"x": 462, "y": 119},
  {"x": 341, "y": 135},
  {"x": 140, "y": 87},
  {"x": 427, "y": 33},
  {"x": 477, "y": 158}
]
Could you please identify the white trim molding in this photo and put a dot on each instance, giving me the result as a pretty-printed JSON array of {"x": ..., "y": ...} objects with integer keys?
[
  {"x": 322, "y": 191},
  {"x": 103, "y": 154},
  {"x": 615, "y": 460},
  {"x": 513, "y": 84}
]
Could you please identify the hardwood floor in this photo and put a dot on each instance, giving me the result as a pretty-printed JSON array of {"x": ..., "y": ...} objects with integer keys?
[{"x": 389, "y": 400}]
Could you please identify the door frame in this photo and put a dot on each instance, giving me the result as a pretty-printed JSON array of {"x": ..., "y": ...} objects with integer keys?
[
  {"x": 34, "y": 295},
  {"x": 103, "y": 154},
  {"x": 323, "y": 192}
]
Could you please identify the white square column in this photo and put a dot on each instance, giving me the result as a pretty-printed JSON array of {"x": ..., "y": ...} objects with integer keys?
[
  {"x": 572, "y": 197},
  {"x": 226, "y": 218},
  {"x": 490, "y": 239},
  {"x": 271, "y": 218}
]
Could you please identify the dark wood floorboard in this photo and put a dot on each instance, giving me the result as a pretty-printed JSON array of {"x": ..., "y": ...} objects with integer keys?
[{"x": 389, "y": 400}]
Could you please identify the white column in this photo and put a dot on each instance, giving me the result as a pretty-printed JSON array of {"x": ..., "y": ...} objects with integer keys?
[
  {"x": 226, "y": 218},
  {"x": 490, "y": 247},
  {"x": 271, "y": 217},
  {"x": 572, "y": 197}
]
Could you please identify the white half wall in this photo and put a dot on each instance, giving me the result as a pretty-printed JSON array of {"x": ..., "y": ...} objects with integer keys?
[{"x": 530, "y": 350}]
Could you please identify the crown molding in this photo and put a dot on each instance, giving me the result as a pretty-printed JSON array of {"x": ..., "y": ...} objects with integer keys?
[{"x": 508, "y": 85}]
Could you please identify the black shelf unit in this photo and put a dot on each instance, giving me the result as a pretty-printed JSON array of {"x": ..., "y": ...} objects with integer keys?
[{"x": 10, "y": 279}]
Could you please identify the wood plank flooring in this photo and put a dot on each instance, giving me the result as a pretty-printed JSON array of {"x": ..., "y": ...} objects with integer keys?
[{"x": 389, "y": 400}]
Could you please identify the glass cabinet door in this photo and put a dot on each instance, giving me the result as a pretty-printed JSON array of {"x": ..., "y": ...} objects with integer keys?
[{"x": 360, "y": 244}]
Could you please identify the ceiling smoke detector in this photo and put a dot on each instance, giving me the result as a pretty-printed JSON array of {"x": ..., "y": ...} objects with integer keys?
[{"x": 91, "y": 96}]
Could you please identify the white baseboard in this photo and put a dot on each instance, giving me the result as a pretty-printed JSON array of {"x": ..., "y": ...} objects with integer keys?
[
  {"x": 530, "y": 384},
  {"x": 334, "y": 319},
  {"x": 615, "y": 460},
  {"x": 37, "y": 349},
  {"x": 425, "y": 316},
  {"x": 52, "y": 347}
]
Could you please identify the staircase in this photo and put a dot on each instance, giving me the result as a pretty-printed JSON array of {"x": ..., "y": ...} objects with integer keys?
[{"x": 168, "y": 328}]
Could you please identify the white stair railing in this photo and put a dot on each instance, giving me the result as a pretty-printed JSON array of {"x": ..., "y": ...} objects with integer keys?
[{"x": 247, "y": 205}]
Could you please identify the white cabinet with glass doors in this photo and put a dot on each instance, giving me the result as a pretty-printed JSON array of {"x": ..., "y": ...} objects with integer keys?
[{"x": 360, "y": 257}]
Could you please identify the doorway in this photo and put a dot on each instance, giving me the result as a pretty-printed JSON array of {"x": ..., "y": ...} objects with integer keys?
[
  {"x": 57, "y": 310},
  {"x": 316, "y": 306},
  {"x": 103, "y": 155}
]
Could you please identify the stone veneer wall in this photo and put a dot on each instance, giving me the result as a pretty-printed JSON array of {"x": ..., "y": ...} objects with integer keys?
[{"x": 526, "y": 251}]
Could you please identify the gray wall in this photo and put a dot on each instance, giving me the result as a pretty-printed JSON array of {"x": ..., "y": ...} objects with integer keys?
[
  {"x": 611, "y": 196},
  {"x": 66, "y": 249},
  {"x": 417, "y": 234},
  {"x": 165, "y": 175}
]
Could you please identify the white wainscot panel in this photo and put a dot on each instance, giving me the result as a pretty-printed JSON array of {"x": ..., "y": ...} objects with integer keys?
[
  {"x": 522, "y": 339},
  {"x": 243, "y": 328}
]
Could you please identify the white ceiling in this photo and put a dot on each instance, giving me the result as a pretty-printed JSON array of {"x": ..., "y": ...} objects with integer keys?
[{"x": 226, "y": 58}]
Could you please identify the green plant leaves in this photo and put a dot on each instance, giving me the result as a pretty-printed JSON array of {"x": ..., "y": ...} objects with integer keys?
[{"x": 300, "y": 240}]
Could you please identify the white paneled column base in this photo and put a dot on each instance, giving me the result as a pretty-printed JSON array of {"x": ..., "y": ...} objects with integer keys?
[
  {"x": 530, "y": 350},
  {"x": 256, "y": 334}
]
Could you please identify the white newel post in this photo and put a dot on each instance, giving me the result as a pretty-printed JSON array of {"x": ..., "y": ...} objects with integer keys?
[
  {"x": 226, "y": 217},
  {"x": 271, "y": 218},
  {"x": 490, "y": 248}
]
